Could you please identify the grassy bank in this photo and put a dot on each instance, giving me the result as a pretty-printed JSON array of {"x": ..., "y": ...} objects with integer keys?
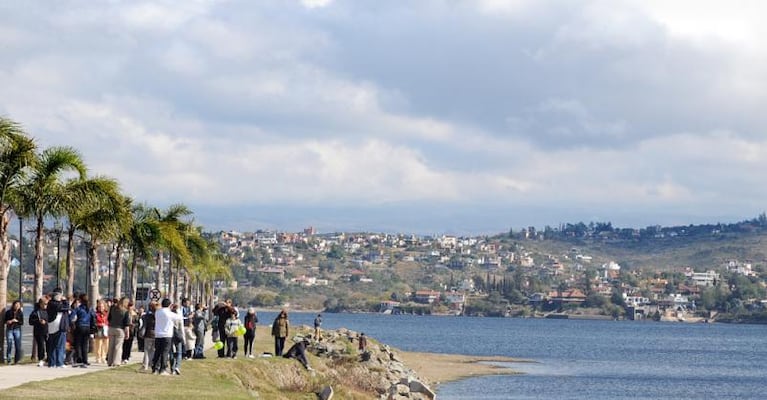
[{"x": 243, "y": 378}]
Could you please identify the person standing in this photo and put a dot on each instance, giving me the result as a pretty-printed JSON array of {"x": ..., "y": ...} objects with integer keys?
[
  {"x": 14, "y": 318},
  {"x": 148, "y": 322},
  {"x": 39, "y": 321},
  {"x": 102, "y": 331},
  {"x": 280, "y": 330},
  {"x": 58, "y": 324},
  {"x": 119, "y": 329},
  {"x": 233, "y": 326},
  {"x": 199, "y": 323},
  {"x": 189, "y": 336},
  {"x": 165, "y": 320},
  {"x": 133, "y": 317},
  {"x": 317, "y": 325},
  {"x": 224, "y": 312},
  {"x": 251, "y": 319},
  {"x": 85, "y": 323}
]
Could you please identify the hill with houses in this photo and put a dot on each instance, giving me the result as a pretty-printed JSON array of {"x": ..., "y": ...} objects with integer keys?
[{"x": 593, "y": 269}]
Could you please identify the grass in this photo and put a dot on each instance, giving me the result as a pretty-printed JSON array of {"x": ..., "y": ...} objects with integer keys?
[{"x": 242, "y": 378}]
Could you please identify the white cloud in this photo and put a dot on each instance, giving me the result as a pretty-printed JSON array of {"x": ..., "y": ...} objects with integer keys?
[{"x": 596, "y": 106}]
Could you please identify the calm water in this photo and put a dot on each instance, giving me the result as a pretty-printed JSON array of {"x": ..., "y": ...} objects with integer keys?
[{"x": 582, "y": 359}]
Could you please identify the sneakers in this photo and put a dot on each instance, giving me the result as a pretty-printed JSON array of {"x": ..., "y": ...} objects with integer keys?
[
  {"x": 164, "y": 373},
  {"x": 251, "y": 356},
  {"x": 176, "y": 372},
  {"x": 41, "y": 364}
]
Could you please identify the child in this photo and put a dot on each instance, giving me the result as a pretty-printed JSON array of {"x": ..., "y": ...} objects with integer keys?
[{"x": 232, "y": 327}]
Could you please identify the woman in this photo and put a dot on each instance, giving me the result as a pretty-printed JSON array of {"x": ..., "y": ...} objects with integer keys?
[
  {"x": 39, "y": 321},
  {"x": 133, "y": 316},
  {"x": 14, "y": 318},
  {"x": 85, "y": 321},
  {"x": 280, "y": 329},
  {"x": 233, "y": 326},
  {"x": 251, "y": 319},
  {"x": 102, "y": 331},
  {"x": 148, "y": 323},
  {"x": 119, "y": 322}
]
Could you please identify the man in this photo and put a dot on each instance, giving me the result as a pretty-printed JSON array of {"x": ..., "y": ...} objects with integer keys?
[
  {"x": 317, "y": 324},
  {"x": 224, "y": 312},
  {"x": 199, "y": 323},
  {"x": 298, "y": 351},
  {"x": 189, "y": 336},
  {"x": 58, "y": 315},
  {"x": 165, "y": 319}
]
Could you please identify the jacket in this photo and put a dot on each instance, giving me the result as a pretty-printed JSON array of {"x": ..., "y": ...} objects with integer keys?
[
  {"x": 85, "y": 317},
  {"x": 280, "y": 327}
]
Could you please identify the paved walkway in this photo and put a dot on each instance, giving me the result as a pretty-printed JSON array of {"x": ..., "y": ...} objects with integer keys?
[{"x": 16, "y": 375}]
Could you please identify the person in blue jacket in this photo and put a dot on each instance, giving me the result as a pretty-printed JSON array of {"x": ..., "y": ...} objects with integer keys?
[{"x": 85, "y": 325}]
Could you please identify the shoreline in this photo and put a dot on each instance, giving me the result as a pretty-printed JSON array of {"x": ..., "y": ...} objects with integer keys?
[{"x": 438, "y": 368}]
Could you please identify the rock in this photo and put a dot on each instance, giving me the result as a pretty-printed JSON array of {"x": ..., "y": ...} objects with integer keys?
[
  {"x": 326, "y": 393},
  {"x": 418, "y": 387}
]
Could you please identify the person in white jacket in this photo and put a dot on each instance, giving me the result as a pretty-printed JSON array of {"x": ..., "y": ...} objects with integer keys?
[{"x": 165, "y": 320}]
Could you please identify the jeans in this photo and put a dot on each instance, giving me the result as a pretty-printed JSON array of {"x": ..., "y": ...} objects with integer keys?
[
  {"x": 222, "y": 337},
  {"x": 250, "y": 335},
  {"x": 13, "y": 342},
  {"x": 41, "y": 338},
  {"x": 175, "y": 354},
  {"x": 57, "y": 343},
  {"x": 231, "y": 350},
  {"x": 148, "y": 352},
  {"x": 160, "y": 359},
  {"x": 199, "y": 343},
  {"x": 127, "y": 347},
  {"x": 279, "y": 345},
  {"x": 116, "y": 338},
  {"x": 82, "y": 337}
]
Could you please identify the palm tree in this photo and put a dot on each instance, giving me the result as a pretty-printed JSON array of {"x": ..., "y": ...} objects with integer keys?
[
  {"x": 100, "y": 219},
  {"x": 121, "y": 241},
  {"x": 144, "y": 235},
  {"x": 171, "y": 239},
  {"x": 43, "y": 194},
  {"x": 17, "y": 154},
  {"x": 79, "y": 196},
  {"x": 198, "y": 249}
]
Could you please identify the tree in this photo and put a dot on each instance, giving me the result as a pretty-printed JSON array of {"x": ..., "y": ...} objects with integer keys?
[
  {"x": 17, "y": 155},
  {"x": 80, "y": 196},
  {"x": 43, "y": 195},
  {"x": 171, "y": 239},
  {"x": 143, "y": 237},
  {"x": 100, "y": 219}
]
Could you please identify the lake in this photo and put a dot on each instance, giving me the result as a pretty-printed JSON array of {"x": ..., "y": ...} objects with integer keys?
[{"x": 581, "y": 359}]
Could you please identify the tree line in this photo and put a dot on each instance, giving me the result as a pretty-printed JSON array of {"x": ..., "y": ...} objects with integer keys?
[{"x": 53, "y": 184}]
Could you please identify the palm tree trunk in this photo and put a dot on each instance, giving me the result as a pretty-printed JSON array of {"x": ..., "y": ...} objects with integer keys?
[
  {"x": 37, "y": 290},
  {"x": 119, "y": 270},
  {"x": 133, "y": 278},
  {"x": 93, "y": 285},
  {"x": 71, "y": 261},
  {"x": 5, "y": 267},
  {"x": 160, "y": 279}
]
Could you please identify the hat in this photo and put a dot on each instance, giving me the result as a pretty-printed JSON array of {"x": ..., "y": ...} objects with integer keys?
[{"x": 57, "y": 290}]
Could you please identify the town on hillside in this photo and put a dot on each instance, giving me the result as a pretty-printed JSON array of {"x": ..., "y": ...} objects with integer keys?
[
  {"x": 694, "y": 273},
  {"x": 526, "y": 273}
]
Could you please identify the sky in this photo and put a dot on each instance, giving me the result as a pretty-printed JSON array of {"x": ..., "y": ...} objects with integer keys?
[{"x": 430, "y": 116}]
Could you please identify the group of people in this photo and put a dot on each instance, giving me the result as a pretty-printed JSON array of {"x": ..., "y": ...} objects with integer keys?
[{"x": 63, "y": 330}]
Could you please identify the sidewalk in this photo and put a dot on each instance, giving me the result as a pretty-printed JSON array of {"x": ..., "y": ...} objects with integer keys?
[{"x": 17, "y": 375}]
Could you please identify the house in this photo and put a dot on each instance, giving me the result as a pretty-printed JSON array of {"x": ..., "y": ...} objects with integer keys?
[
  {"x": 569, "y": 296},
  {"x": 707, "y": 279},
  {"x": 425, "y": 296}
]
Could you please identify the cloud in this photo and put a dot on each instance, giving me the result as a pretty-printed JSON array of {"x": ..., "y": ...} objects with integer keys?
[{"x": 507, "y": 110}]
